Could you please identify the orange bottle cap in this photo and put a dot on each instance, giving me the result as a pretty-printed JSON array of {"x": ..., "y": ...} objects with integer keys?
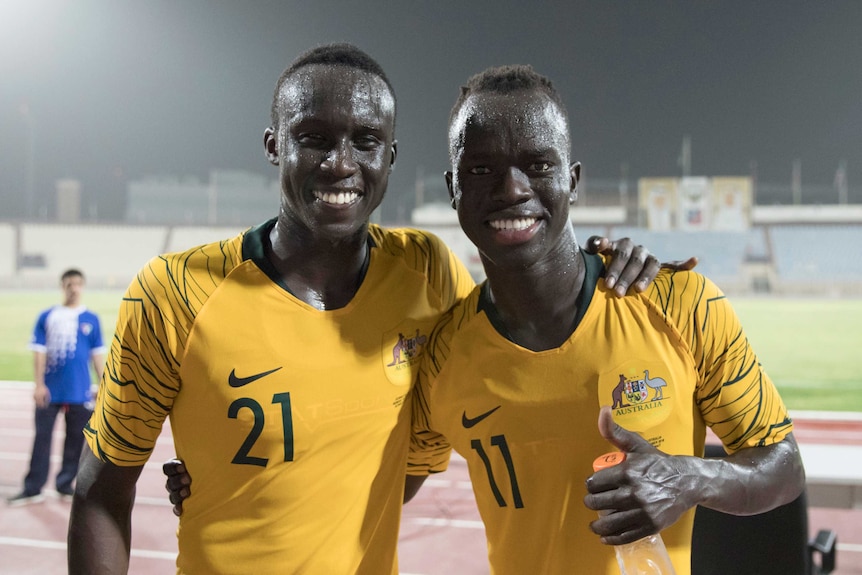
[{"x": 608, "y": 460}]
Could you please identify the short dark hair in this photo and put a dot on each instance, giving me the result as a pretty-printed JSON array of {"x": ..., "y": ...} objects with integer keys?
[
  {"x": 505, "y": 80},
  {"x": 71, "y": 273},
  {"x": 337, "y": 54}
]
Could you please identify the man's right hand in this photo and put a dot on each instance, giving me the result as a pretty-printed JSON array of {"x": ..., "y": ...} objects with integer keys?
[
  {"x": 178, "y": 483},
  {"x": 42, "y": 396}
]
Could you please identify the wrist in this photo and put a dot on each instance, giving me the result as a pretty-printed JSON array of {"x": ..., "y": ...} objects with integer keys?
[{"x": 715, "y": 481}]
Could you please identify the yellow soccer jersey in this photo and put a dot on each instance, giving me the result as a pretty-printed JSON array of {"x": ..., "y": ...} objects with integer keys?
[
  {"x": 670, "y": 361},
  {"x": 291, "y": 420}
]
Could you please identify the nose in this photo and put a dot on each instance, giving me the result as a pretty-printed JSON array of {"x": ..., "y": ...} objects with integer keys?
[
  {"x": 339, "y": 160},
  {"x": 514, "y": 187}
]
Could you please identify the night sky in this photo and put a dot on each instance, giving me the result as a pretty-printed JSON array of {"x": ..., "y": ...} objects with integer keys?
[{"x": 114, "y": 90}]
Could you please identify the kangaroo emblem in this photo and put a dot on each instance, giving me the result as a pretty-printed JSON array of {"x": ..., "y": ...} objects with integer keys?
[
  {"x": 406, "y": 348},
  {"x": 401, "y": 346},
  {"x": 656, "y": 383},
  {"x": 618, "y": 393}
]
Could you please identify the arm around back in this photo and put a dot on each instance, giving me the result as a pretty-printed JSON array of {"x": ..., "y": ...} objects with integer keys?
[
  {"x": 100, "y": 526},
  {"x": 412, "y": 484}
]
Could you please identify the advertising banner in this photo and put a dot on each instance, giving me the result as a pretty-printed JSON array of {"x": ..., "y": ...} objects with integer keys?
[{"x": 657, "y": 197}]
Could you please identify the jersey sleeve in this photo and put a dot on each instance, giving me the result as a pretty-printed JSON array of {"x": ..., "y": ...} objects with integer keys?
[
  {"x": 452, "y": 278},
  {"x": 735, "y": 396},
  {"x": 429, "y": 450},
  {"x": 427, "y": 254},
  {"x": 141, "y": 378},
  {"x": 39, "y": 341}
]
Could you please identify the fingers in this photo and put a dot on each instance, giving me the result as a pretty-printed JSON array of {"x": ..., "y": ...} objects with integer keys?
[
  {"x": 622, "y": 527},
  {"x": 178, "y": 495},
  {"x": 639, "y": 272},
  {"x": 620, "y": 252},
  {"x": 177, "y": 483},
  {"x": 42, "y": 397},
  {"x": 622, "y": 439},
  {"x": 597, "y": 245},
  {"x": 606, "y": 422},
  {"x": 630, "y": 265},
  {"x": 173, "y": 467},
  {"x": 681, "y": 265}
]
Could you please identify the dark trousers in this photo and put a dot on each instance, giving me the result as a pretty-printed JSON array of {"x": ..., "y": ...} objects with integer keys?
[{"x": 76, "y": 417}]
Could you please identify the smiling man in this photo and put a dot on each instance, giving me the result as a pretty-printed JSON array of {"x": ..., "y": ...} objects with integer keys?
[
  {"x": 514, "y": 377},
  {"x": 271, "y": 352}
]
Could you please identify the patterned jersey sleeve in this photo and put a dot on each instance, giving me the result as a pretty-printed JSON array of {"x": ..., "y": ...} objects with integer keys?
[
  {"x": 423, "y": 251},
  {"x": 141, "y": 378},
  {"x": 449, "y": 275},
  {"x": 429, "y": 450},
  {"x": 735, "y": 396}
]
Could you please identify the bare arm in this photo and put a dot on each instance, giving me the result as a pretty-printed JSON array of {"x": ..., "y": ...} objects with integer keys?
[
  {"x": 41, "y": 394},
  {"x": 100, "y": 526},
  {"x": 98, "y": 360},
  {"x": 651, "y": 490}
]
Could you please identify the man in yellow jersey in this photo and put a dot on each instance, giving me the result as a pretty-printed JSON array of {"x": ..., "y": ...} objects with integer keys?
[
  {"x": 274, "y": 355},
  {"x": 514, "y": 376}
]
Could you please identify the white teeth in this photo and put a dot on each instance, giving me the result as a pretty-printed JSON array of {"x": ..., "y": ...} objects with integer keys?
[
  {"x": 516, "y": 224},
  {"x": 336, "y": 198}
]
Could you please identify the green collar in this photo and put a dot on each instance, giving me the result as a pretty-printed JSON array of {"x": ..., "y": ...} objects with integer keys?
[{"x": 594, "y": 270}]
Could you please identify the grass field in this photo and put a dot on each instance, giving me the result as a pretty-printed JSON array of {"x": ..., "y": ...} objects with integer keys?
[{"x": 810, "y": 347}]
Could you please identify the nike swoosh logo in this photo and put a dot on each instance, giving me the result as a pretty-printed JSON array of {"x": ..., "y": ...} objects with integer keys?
[
  {"x": 468, "y": 422},
  {"x": 234, "y": 381}
]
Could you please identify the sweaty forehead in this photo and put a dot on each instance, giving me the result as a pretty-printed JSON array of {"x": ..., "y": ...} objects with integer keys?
[
  {"x": 516, "y": 117},
  {"x": 322, "y": 88}
]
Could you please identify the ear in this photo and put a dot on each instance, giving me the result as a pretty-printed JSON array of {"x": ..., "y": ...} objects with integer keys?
[
  {"x": 270, "y": 146},
  {"x": 452, "y": 200},
  {"x": 394, "y": 151},
  {"x": 575, "y": 175}
]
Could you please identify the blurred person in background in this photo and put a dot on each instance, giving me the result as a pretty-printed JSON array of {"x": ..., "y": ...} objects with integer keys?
[{"x": 67, "y": 339}]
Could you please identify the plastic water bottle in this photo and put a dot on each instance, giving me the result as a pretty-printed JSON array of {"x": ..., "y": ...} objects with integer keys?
[{"x": 647, "y": 556}]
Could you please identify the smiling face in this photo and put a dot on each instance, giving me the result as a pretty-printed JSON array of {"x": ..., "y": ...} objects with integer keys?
[
  {"x": 334, "y": 146},
  {"x": 511, "y": 179}
]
